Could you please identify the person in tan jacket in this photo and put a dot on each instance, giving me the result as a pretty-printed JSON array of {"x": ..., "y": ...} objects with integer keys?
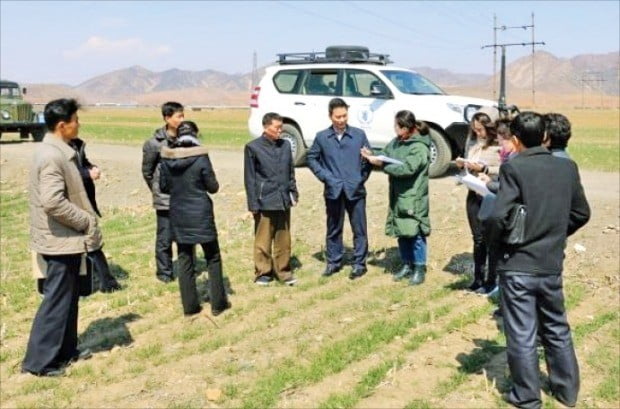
[
  {"x": 481, "y": 157},
  {"x": 62, "y": 228}
]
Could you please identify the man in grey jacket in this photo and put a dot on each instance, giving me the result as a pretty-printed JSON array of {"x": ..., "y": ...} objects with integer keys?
[
  {"x": 63, "y": 227},
  {"x": 173, "y": 115}
]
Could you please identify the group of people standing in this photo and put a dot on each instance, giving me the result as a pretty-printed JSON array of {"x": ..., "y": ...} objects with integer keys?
[
  {"x": 528, "y": 167},
  {"x": 178, "y": 171}
]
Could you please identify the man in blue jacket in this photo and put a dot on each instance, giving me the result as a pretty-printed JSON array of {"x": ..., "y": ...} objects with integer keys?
[
  {"x": 335, "y": 160},
  {"x": 530, "y": 273}
]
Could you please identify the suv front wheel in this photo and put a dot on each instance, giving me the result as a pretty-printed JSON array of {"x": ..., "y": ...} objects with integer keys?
[
  {"x": 440, "y": 154},
  {"x": 298, "y": 149}
]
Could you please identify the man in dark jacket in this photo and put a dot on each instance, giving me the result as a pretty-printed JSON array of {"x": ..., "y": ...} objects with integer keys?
[
  {"x": 173, "y": 115},
  {"x": 557, "y": 134},
  {"x": 335, "y": 160},
  {"x": 188, "y": 176},
  {"x": 531, "y": 273},
  {"x": 271, "y": 190},
  {"x": 97, "y": 258}
]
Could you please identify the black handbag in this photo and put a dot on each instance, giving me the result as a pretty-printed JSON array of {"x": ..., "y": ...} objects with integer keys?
[{"x": 515, "y": 229}]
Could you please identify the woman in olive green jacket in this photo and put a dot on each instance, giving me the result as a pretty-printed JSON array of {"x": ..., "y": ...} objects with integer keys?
[{"x": 407, "y": 217}]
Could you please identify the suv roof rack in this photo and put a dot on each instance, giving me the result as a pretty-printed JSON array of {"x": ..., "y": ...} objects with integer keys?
[{"x": 335, "y": 54}]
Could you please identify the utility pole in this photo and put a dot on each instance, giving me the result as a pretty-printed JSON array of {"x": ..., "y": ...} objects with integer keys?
[
  {"x": 598, "y": 78},
  {"x": 502, "y": 90},
  {"x": 495, "y": 45},
  {"x": 533, "y": 74},
  {"x": 254, "y": 73},
  {"x": 495, "y": 28}
]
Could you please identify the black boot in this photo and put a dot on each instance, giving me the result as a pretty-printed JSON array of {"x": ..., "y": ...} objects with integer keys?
[
  {"x": 419, "y": 273},
  {"x": 404, "y": 272},
  {"x": 478, "y": 278}
]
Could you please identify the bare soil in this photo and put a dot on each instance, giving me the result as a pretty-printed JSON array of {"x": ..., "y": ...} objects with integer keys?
[{"x": 314, "y": 319}]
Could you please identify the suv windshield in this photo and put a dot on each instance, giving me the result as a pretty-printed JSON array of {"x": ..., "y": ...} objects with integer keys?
[
  {"x": 409, "y": 82},
  {"x": 10, "y": 92}
]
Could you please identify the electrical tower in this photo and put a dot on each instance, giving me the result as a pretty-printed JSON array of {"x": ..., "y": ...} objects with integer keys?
[
  {"x": 502, "y": 87},
  {"x": 598, "y": 77},
  {"x": 533, "y": 43}
]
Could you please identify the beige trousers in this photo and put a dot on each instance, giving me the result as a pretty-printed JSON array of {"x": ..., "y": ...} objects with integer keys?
[{"x": 272, "y": 227}]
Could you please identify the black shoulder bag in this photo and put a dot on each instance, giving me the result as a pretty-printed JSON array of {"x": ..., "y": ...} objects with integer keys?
[{"x": 515, "y": 229}]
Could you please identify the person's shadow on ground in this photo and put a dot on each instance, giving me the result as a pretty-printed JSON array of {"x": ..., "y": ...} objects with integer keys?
[
  {"x": 118, "y": 271},
  {"x": 106, "y": 333},
  {"x": 488, "y": 358},
  {"x": 386, "y": 258}
]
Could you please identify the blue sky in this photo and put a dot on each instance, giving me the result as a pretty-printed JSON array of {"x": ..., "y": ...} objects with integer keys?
[{"x": 71, "y": 41}]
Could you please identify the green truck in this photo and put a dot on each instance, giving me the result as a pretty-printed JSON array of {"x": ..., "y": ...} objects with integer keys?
[{"x": 17, "y": 115}]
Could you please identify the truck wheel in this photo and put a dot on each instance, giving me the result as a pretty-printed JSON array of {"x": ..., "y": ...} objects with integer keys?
[
  {"x": 38, "y": 134},
  {"x": 23, "y": 134},
  {"x": 298, "y": 149},
  {"x": 440, "y": 154}
]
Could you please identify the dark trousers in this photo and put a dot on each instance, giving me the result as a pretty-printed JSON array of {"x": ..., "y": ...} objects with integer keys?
[
  {"x": 532, "y": 303},
  {"x": 53, "y": 338},
  {"x": 187, "y": 277},
  {"x": 482, "y": 250},
  {"x": 272, "y": 227},
  {"x": 356, "y": 209},
  {"x": 163, "y": 245}
]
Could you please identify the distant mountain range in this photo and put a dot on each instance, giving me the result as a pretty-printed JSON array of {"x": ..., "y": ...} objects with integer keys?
[{"x": 136, "y": 84}]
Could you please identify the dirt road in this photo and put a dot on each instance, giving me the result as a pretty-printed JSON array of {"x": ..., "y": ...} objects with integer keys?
[{"x": 122, "y": 184}]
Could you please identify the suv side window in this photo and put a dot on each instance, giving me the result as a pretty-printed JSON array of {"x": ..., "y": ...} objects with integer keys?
[
  {"x": 286, "y": 81},
  {"x": 323, "y": 82},
  {"x": 357, "y": 83}
]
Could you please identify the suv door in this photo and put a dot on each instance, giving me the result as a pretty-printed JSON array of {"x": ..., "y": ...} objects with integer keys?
[
  {"x": 319, "y": 86},
  {"x": 374, "y": 113}
]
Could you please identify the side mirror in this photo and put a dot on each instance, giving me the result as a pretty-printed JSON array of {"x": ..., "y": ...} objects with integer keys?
[
  {"x": 469, "y": 111},
  {"x": 24, "y": 90},
  {"x": 378, "y": 90}
]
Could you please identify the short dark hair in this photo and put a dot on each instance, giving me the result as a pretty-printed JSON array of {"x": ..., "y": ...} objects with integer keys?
[
  {"x": 187, "y": 128},
  {"x": 337, "y": 103},
  {"x": 170, "y": 108},
  {"x": 529, "y": 128},
  {"x": 59, "y": 110},
  {"x": 558, "y": 130},
  {"x": 269, "y": 117}
]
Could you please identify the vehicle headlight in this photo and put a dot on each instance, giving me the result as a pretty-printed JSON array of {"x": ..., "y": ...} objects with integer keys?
[
  {"x": 455, "y": 107},
  {"x": 5, "y": 114},
  {"x": 40, "y": 117}
]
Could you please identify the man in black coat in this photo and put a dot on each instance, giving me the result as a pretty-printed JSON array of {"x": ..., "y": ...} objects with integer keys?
[
  {"x": 271, "y": 190},
  {"x": 531, "y": 273},
  {"x": 96, "y": 258},
  {"x": 173, "y": 115},
  {"x": 188, "y": 177},
  {"x": 335, "y": 159}
]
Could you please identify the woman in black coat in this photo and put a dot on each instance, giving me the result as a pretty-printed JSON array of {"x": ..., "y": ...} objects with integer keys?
[{"x": 187, "y": 175}]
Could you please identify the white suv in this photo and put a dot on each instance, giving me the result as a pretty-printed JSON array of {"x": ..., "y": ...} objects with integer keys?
[{"x": 300, "y": 86}]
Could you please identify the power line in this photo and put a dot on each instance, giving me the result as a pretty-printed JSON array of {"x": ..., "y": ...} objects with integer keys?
[
  {"x": 342, "y": 22},
  {"x": 407, "y": 27}
]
